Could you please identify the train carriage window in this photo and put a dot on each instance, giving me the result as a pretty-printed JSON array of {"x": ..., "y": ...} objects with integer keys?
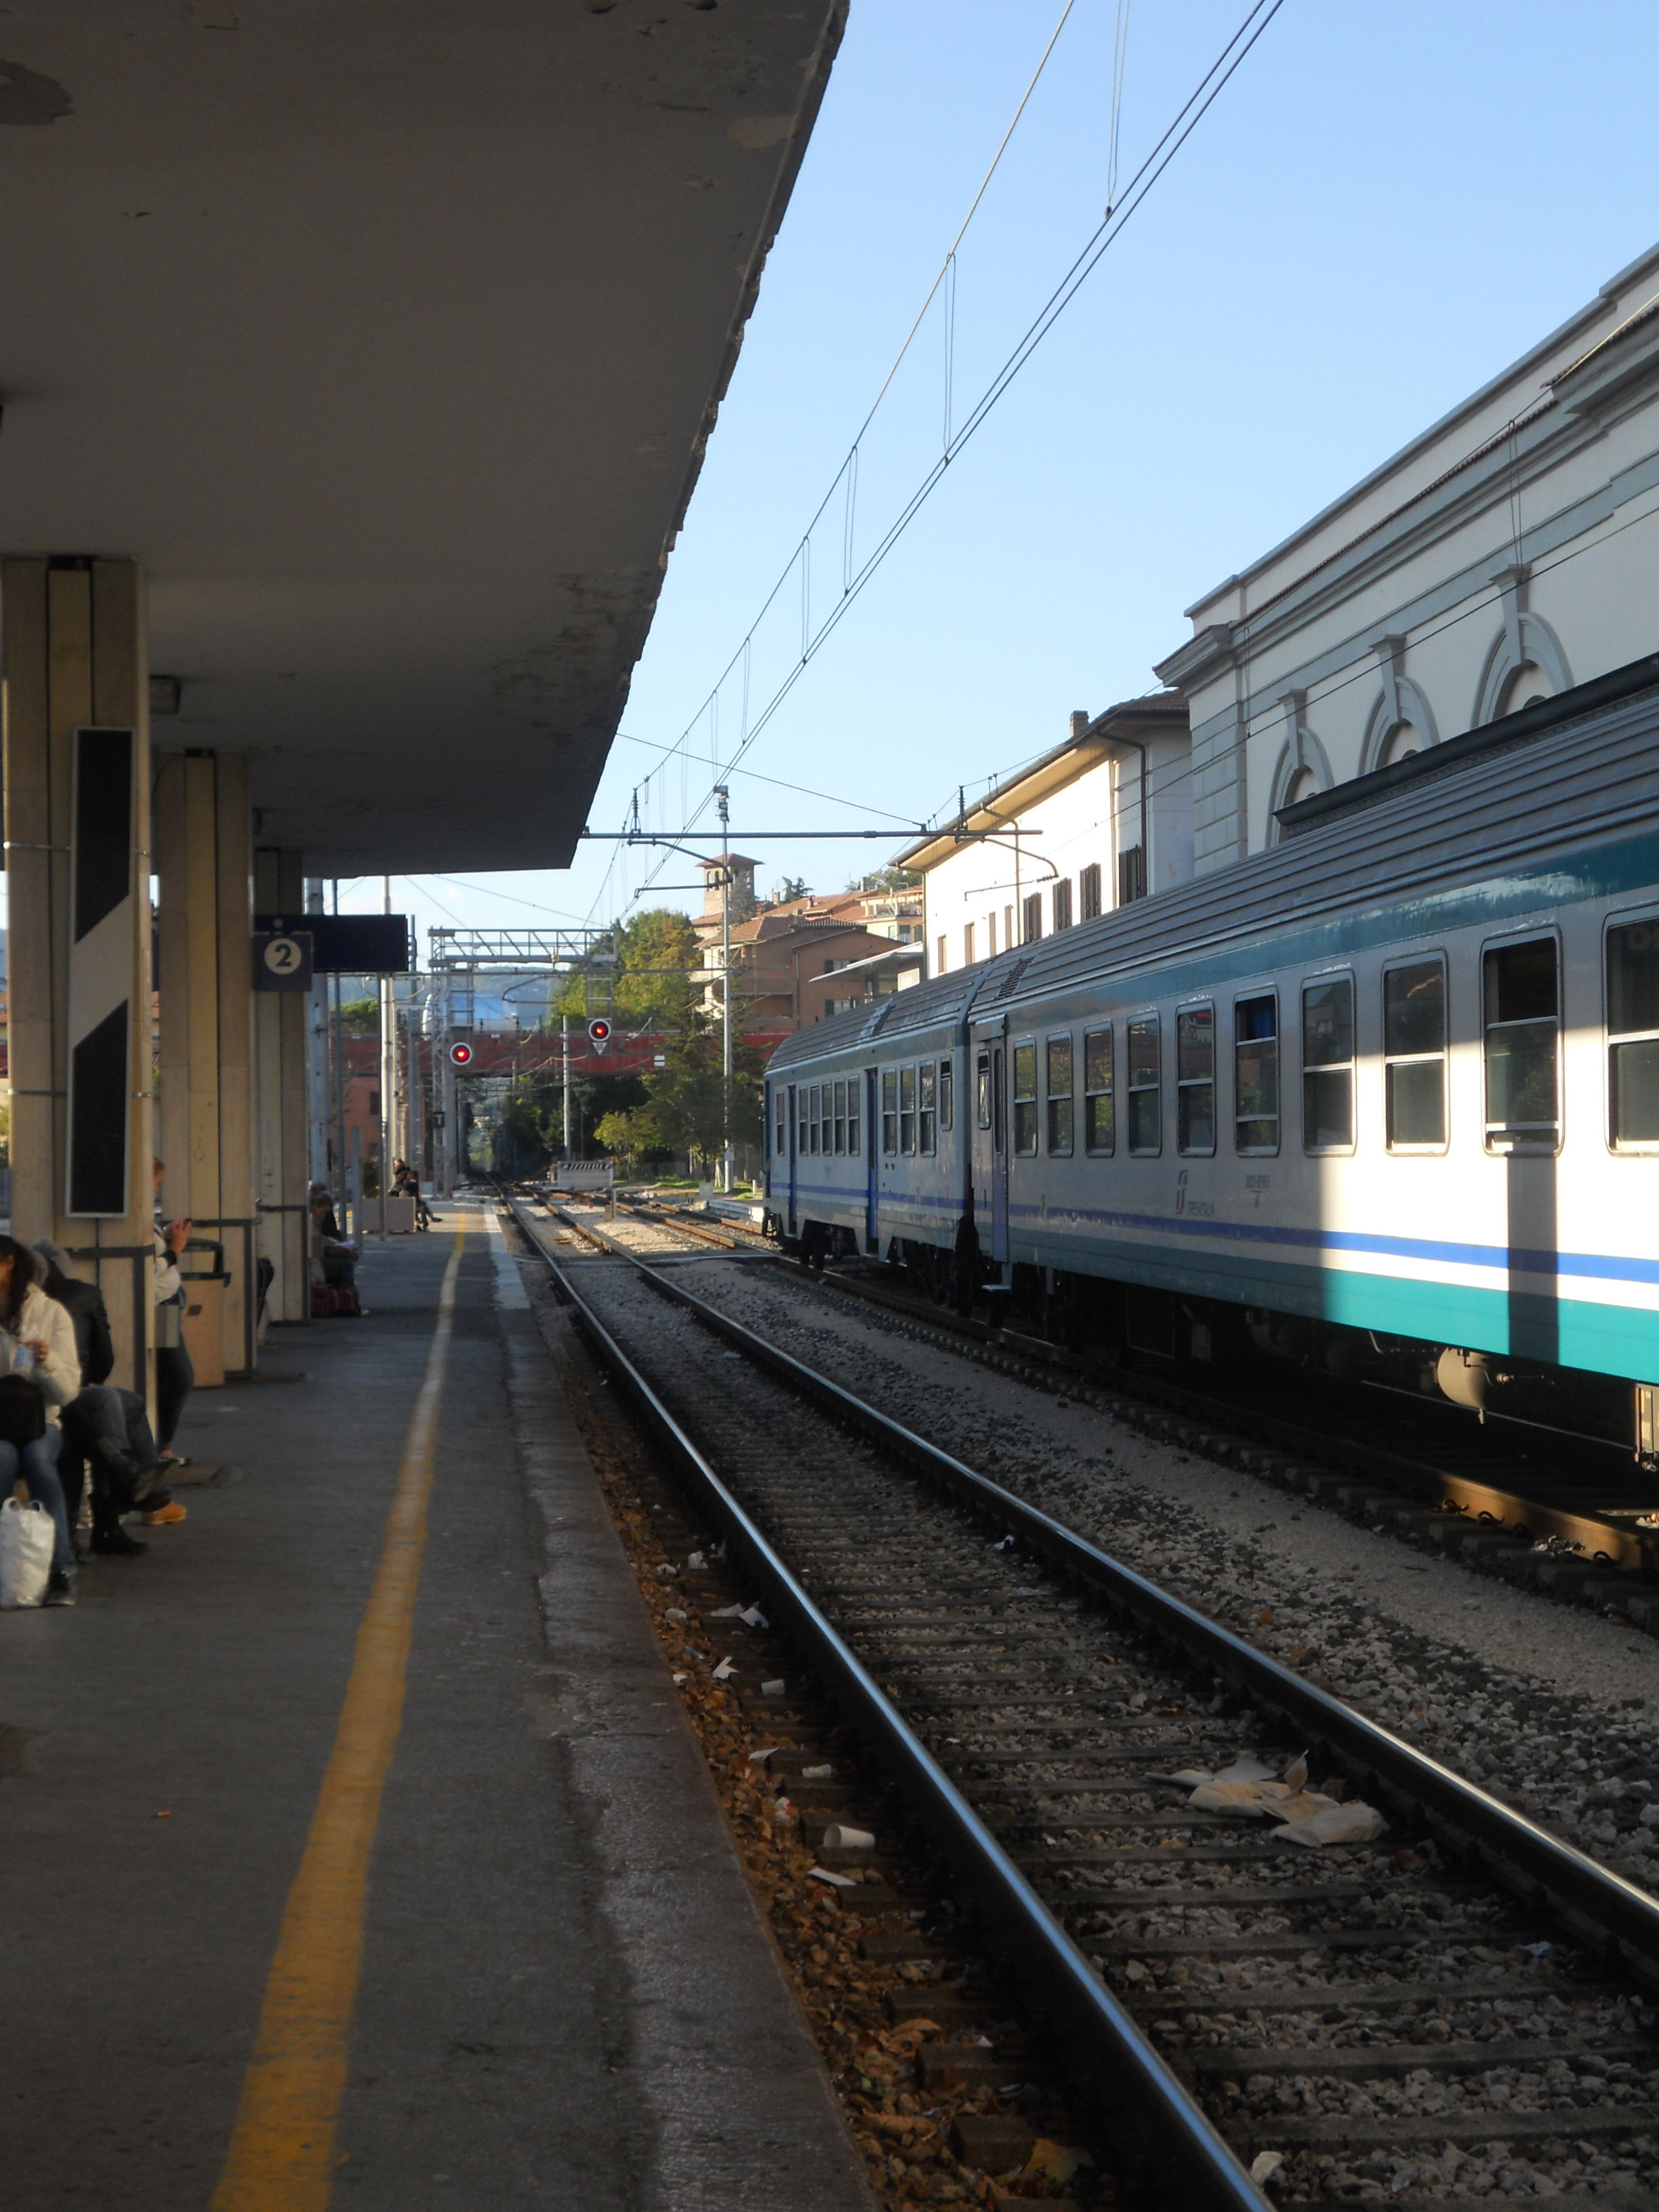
[
  {"x": 1522, "y": 1029},
  {"x": 906, "y": 1110},
  {"x": 802, "y": 1100},
  {"x": 1255, "y": 1075},
  {"x": 982, "y": 1089},
  {"x": 1195, "y": 1079},
  {"x": 841, "y": 1119},
  {"x": 1633, "y": 1033},
  {"x": 1328, "y": 1064},
  {"x": 890, "y": 1109},
  {"x": 1414, "y": 1054},
  {"x": 827, "y": 1108},
  {"x": 927, "y": 1106},
  {"x": 814, "y": 1115},
  {"x": 854, "y": 1087},
  {"x": 947, "y": 1095},
  {"x": 1025, "y": 1105},
  {"x": 1099, "y": 1129},
  {"x": 1145, "y": 1091},
  {"x": 1059, "y": 1092},
  {"x": 780, "y": 1143}
]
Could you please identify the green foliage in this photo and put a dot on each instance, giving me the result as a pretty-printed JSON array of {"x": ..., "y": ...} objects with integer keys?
[
  {"x": 887, "y": 879},
  {"x": 650, "y": 987},
  {"x": 360, "y": 1017},
  {"x": 633, "y": 1136},
  {"x": 686, "y": 1098},
  {"x": 677, "y": 1108},
  {"x": 792, "y": 887}
]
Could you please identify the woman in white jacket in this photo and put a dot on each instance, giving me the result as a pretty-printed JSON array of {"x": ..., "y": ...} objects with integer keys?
[{"x": 37, "y": 1340}]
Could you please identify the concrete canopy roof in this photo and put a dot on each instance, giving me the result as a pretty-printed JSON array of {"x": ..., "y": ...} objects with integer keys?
[{"x": 387, "y": 338}]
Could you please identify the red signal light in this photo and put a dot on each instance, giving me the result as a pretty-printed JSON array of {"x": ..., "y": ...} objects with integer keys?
[
  {"x": 461, "y": 1055},
  {"x": 599, "y": 1031}
]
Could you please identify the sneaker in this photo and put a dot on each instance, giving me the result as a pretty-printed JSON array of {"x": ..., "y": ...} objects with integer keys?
[
  {"x": 60, "y": 1588},
  {"x": 164, "y": 1517}
]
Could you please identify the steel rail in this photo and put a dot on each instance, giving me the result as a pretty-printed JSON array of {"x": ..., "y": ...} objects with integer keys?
[
  {"x": 1602, "y": 1540},
  {"x": 1098, "y": 2043},
  {"x": 1601, "y": 1908}
]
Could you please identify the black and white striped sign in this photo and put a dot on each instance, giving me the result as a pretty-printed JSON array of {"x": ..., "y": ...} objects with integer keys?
[{"x": 101, "y": 972}]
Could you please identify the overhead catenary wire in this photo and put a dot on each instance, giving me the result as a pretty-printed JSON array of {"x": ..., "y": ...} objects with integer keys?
[
  {"x": 1197, "y": 105},
  {"x": 1120, "y": 53},
  {"x": 846, "y": 477}
]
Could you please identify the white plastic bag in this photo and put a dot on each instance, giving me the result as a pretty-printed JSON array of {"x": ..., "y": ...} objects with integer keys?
[{"x": 26, "y": 1544}]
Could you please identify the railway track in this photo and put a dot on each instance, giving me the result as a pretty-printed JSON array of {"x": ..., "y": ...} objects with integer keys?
[
  {"x": 1586, "y": 1497},
  {"x": 1561, "y": 1514},
  {"x": 1376, "y": 2019}
]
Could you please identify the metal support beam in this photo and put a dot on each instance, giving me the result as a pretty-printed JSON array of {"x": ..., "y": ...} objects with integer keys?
[{"x": 282, "y": 1120}]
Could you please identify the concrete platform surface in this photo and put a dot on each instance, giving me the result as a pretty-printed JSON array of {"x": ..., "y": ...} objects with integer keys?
[{"x": 565, "y": 1993}]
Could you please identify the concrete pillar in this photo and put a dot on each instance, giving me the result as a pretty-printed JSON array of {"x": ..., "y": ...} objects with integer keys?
[
  {"x": 76, "y": 773},
  {"x": 203, "y": 858},
  {"x": 282, "y": 1171}
]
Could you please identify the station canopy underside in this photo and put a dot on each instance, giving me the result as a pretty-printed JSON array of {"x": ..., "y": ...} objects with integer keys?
[{"x": 387, "y": 338}]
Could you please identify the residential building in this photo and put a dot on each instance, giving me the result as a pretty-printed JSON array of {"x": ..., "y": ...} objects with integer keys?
[
  {"x": 785, "y": 950},
  {"x": 1507, "y": 554},
  {"x": 1101, "y": 820}
]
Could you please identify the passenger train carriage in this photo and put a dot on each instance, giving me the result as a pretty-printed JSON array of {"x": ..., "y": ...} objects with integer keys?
[{"x": 1386, "y": 1093}]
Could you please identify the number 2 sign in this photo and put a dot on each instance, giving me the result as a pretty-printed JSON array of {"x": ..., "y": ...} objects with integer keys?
[{"x": 282, "y": 962}]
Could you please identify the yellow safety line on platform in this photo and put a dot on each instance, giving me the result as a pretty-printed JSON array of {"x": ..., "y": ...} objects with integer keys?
[{"x": 282, "y": 2151}]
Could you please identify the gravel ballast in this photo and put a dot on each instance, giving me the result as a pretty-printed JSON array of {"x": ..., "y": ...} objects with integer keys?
[{"x": 1548, "y": 1706}]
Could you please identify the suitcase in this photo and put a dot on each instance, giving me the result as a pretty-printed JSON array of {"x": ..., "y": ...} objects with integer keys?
[{"x": 329, "y": 1302}]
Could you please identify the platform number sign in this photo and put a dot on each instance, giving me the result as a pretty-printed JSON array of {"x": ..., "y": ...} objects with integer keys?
[
  {"x": 598, "y": 1033},
  {"x": 282, "y": 960},
  {"x": 461, "y": 1055}
]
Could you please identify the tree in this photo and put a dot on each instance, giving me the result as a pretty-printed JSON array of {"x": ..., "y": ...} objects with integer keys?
[
  {"x": 887, "y": 879},
  {"x": 360, "y": 1017},
  {"x": 793, "y": 887},
  {"x": 650, "y": 985},
  {"x": 635, "y": 1136},
  {"x": 686, "y": 1098}
]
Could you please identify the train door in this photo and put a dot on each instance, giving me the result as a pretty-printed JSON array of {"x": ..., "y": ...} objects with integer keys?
[
  {"x": 999, "y": 1154},
  {"x": 790, "y": 1170},
  {"x": 871, "y": 1164},
  {"x": 988, "y": 1050}
]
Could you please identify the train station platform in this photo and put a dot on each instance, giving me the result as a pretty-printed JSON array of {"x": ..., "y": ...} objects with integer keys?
[{"x": 356, "y": 1851}]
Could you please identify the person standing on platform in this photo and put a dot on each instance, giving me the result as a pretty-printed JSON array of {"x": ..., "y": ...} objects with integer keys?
[{"x": 175, "y": 1377}]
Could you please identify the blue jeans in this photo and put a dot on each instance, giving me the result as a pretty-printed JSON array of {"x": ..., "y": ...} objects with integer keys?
[{"x": 38, "y": 1465}]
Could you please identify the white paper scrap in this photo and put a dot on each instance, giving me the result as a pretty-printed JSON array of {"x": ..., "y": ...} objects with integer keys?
[{"x": 1353, "y": 1823}]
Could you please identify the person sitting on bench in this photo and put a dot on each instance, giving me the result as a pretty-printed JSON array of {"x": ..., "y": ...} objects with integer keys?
[
  {"x": 103, "y": 1426},
  {"x": 333, "y": 1259}
]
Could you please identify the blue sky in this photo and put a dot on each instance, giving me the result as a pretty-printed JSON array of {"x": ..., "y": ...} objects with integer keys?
[{"x": 1387, "y": 203}]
